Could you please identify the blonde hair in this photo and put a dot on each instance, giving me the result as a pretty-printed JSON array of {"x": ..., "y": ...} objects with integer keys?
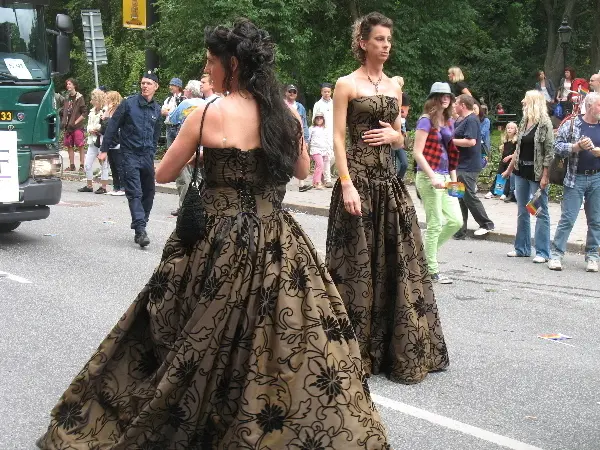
[
  {"x": 98, "y": 97},
  {"x": 457, "y": 73},
  {"x": 505, "y": 136},
  {"x": 400, "y": 80},
  {"x": 535, "y": 109},
  {"x": 114, "y": 99}
]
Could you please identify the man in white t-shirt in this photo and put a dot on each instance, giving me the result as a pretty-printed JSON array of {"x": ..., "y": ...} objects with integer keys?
[{"x": 325, "y": 107}]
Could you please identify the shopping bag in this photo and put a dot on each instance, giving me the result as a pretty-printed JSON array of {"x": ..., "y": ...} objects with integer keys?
[{"x": 499, "y": 185}]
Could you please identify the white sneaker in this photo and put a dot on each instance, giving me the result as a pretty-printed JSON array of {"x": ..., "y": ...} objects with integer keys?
[
  {"x": 503, "y": 197},
  {"x": 488, "y": 195},
  {"x": 513, "y": 254},
  {"x": 592, "y": 266},
  {"x": 119, "y": 193},
  {"x": 554, "y": 264},
  {"x": 539, "y": 260},
  {"x": 481, "y": 232}
]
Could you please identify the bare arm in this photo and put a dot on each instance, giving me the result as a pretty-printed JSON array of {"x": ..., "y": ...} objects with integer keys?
[
  {"x": 182, "y": 149},
  {"x": 464, "y": 142},
  {"x": 341, "y": 96},
  {"x": 302, "y": 168}
]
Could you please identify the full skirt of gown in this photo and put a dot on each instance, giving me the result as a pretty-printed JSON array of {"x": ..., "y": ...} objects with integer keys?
[{"x": 240, "y": 342}]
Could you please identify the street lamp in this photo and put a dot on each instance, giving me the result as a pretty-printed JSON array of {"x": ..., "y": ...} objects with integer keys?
[{"x": 564, "y": 37}]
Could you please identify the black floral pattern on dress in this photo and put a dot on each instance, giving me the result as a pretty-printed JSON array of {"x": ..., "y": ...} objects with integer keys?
[
  {"x": 377, "y": 260},
  {"x": 238, "y": 342},
  {"x": 69, "y": 415},
  {"x": 271, "y": 418}
]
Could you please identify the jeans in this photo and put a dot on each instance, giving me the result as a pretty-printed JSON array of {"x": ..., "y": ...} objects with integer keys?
[
  {"x": 588, "y": 186},
  {"x": 470, "y": 202},
  {"x": 442, "y": 214},
  {"x": 172, "y": 131},
  {"x": 401, "y": 163},
  {"x": 115, "y": 160},
  {"x": 139, "y": 187},
  {"x": 90, "y": 157},
  {"x": 524, "y": 190}
]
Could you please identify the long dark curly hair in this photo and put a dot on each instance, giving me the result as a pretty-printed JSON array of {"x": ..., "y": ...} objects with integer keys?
[{"x": 280, "y": 131}]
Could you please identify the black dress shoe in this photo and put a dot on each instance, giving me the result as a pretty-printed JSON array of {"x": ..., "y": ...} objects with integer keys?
[{"x": 143, "y": 240}]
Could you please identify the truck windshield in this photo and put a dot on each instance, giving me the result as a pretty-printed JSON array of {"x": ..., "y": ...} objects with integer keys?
[{"x": 23, "y": 52}]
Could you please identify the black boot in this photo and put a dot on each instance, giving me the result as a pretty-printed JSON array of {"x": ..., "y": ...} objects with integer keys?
[{"x": 143, "y": 239}]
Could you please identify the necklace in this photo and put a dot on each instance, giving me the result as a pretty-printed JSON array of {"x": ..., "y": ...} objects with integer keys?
[{"x": 375, "y": 84}]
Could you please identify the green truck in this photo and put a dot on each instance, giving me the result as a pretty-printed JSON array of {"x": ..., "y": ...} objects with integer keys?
[{"x": 30, "y": 162}]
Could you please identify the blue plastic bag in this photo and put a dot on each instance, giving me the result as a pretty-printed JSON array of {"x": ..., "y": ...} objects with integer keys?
[
  {"x": 558, "y": 111},
  {"x": 499, "y": 185}
]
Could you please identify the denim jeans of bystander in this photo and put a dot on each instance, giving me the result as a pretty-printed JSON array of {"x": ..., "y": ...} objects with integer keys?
[
  {"x": 588, "y": 186},
  {"x": 524, "y": 190}
]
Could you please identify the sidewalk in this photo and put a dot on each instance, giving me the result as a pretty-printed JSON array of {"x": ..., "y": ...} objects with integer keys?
[{"x": 504, "y": 215}]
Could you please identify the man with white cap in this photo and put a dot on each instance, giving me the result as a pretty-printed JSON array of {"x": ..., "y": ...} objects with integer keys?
[{"x": 171, "y": 102}]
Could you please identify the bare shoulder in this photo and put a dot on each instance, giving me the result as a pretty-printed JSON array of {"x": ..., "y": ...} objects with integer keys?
[{"x": 344, "y": 87}]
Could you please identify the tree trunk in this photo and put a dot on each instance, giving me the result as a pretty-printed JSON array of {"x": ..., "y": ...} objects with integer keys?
[
  {"x": 555, "y": 63},
  {"x": 595, "y": 43},
  {"x": 354, "y": 11}
]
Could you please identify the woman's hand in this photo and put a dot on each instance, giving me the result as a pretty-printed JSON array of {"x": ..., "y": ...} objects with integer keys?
[
  {"x": 351, "y": 199},
  {"x": 506, "y": 174},
  {"x": 437, "y": 183},
  {"x": 381, "y": 136},
  {"x": 544, "y": 181},
  {"x": 507, "y": 158}
]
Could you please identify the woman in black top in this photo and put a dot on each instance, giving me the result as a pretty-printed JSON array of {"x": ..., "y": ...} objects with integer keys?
[
  {"x": 532, "y": 158},
  {"x": 457, "y": 82},
  {"x": 507, "y": 149}
]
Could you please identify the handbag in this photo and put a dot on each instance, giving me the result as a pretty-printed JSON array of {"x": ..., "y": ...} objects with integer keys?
[
  {"x": 558, "y": 167},
  {"x": 191, "y": 220}
]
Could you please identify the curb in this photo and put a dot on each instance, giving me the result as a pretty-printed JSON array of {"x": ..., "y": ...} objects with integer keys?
[{"x": 504, "y": 238}]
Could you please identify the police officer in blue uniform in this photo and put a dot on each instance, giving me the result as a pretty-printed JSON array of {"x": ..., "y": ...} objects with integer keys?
[{"x": 138, "y": 118}]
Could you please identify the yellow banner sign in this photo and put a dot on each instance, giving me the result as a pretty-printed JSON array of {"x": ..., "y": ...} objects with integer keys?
[{"x": 134, "y": 14}]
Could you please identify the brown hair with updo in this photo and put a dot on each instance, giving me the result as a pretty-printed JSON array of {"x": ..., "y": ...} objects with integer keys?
[{"x": 362, "y": 30}]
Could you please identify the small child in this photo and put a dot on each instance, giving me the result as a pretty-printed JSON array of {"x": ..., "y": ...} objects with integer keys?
[
  {"x": 508, "y": 145},
  {"x": 320, "y": 148}
]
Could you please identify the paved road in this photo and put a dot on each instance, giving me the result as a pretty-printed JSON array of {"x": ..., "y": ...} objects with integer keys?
[{"x": 74, "y": 274}]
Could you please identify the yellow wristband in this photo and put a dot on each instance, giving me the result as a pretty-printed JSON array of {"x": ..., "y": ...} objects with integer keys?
[{"x": 345, "y": 178}]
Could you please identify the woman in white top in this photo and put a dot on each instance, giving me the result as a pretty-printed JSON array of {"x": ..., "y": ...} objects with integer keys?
[
  {"x": 563, "y": 95},
  {"x": 93, "y": 130},
  {"x": 320, "y": 147}
]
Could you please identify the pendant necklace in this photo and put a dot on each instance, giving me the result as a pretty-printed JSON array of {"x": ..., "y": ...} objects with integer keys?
[{"x": 375, "y": 84}]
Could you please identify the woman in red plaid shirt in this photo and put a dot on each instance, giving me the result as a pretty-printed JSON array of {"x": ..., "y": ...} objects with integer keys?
[{"x": 437, "y": 157}]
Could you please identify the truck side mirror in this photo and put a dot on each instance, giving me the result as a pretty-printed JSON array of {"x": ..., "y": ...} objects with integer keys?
[
  {"x": 63, "y": 54},
  {"x": 64, "y": 23}
]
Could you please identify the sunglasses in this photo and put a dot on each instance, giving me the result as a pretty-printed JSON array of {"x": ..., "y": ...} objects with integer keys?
[{"x": 292, "y": 91}]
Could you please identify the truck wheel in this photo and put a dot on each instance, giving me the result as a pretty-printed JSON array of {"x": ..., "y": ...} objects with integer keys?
[{"x": 6, "y": 227}]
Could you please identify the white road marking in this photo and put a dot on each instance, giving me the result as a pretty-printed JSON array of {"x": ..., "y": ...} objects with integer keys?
[
  {"x": 12, "y": 277},
  {"x": 452, "y": 424}
]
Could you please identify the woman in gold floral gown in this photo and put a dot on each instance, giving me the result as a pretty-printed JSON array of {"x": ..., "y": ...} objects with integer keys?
[
  {"x": 374, "y": 248},
  {"x": 239, "y": 341}
]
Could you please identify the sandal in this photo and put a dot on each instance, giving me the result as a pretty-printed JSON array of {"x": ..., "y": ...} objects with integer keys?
[{"x": 72, "y": 168}]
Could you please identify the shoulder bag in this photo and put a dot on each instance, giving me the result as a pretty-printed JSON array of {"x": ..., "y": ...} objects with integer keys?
[
  {"x": 191, "y": 220},
  {"x": 558, "y": 166}
]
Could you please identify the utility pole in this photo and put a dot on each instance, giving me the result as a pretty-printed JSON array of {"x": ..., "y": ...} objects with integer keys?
[
  {"x": 152, "y": 61},
  {"x": 95, "y": 47}
]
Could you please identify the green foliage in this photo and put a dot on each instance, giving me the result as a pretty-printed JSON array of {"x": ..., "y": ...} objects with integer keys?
[{"x": 498, "y": 43}]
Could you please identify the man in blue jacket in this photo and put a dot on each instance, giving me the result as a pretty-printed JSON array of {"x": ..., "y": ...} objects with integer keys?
[{"x": 138, "y": 118}]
